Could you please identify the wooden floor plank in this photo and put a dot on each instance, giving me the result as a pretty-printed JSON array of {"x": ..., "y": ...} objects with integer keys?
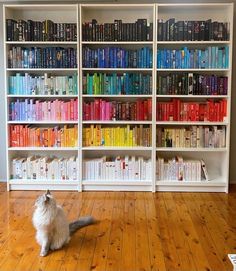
[
  {"x": 137, "y": 231},
  {"x": 142, "y": 242},
  {"x": 82, "y": 207},
  {"x": 205, "y": 238},
  {"x": 89, "y": 241},
  {"x": 103, "y": 237},
  {"x": 196, "y": 248},
  {"x": 178, "y": 235},
  {"x": 116, "y": 234},
  {"x": 129, "y": 242},
  {"x": 171, "y": 257},
  {"x": 154, "y": 235}
]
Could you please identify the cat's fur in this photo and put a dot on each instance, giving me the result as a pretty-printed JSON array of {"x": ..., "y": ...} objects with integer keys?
[{"x": 53, "y": 229}]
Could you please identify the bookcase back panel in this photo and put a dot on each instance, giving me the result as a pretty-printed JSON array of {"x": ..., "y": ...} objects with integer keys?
[
  {"x": 195, "y": 12},
  {"x": 109, "y": 14},
  {"x": 63, "y": 14}
]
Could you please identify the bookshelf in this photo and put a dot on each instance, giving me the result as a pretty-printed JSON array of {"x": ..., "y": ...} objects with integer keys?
[
  {"x": 43, "y": 35},
  {"x": 217, "y": 158},
  {"x": 136, "y": 73}
]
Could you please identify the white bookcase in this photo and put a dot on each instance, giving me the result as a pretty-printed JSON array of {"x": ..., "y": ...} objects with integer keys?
[
  {"x": 216, "y": 159},
  {"x": 58, "y": 14}
]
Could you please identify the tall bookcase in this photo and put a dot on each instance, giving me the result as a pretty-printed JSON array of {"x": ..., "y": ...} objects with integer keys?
[
  {"x": 216, "y": 159},
  {"x": 58, "y": 14}
]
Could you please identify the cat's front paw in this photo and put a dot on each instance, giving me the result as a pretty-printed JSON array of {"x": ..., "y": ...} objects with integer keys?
[{"x": 43, "y": 253}]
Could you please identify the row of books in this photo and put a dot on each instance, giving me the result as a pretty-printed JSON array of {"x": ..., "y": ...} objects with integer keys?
[
  {"x": 30, "y": 136},
  {"x": 192, "y": 137},
  {"x": 36, "y": 110},
  {"x": 140, "y": 30},
  {"x": 178, "y": 169},
  {"x": 117, "y": 84},
  {"x": 172, "y": 30},
  {"x": 36, "y": 57},
  {"x": 177, "y": 110},
  {"x": 129, "y": 136},
  {"x": 21, "y": 30},
  {"x": 117, "y": 168},
  {"x": 115, "y": 57},
  {"x": 192, "y": 84},
  {"x": 45, "y": 168},
  {"x": 100, "y": 109},
  {"x": 212, "y": 57},
  {"x": 26, "y": 84}
]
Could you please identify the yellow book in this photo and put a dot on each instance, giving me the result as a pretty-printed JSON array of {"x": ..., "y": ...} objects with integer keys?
[
  {"x": 91, "y": 142},
  {"x": 76, "y": 136}
]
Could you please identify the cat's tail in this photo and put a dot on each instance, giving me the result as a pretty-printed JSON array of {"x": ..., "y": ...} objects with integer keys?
[{"x": 80, "y": 223}]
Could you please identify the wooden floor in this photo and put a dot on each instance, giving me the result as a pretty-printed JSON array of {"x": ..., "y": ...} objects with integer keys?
[{"x": 137, "y": 231}]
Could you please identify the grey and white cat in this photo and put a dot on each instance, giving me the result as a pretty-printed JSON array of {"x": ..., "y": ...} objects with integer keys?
[{"x": 53, "y": 229}]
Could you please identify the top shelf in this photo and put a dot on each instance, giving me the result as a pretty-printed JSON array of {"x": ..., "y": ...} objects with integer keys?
[
  {"x": 42, "y": 42},
  {"x": 195, "y": 42}
]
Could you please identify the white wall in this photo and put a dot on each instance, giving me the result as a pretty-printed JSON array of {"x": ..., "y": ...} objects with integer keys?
[{"x": 2, "y": 104}]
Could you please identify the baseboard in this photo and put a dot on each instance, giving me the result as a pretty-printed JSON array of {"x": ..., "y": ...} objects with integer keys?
[{"x": 2, "y": 181}]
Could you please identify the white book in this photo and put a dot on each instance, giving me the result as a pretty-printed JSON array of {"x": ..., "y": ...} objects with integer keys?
[{"x": 204, "y": 170}]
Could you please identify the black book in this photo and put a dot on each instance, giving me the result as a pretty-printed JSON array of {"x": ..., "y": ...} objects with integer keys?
[
  {"x": 164, "y": 31},
  {"x": 115, "y": 30},
  {"x": 202, "y": 30},
  {"x": 150, "y": 32},
  {"x": 185, "y": 30},
  {"x": 160, "y": 30},
  {"x": 143, "y": 29},
  {"x": 220, "y": 31},
  {"x": 215, "y": 30},
  {"x": 207, "y": 29},
  {"x": 190, "y": 30},
  {"x": 180, "y": 30},
  {"x": 196, "y": 30},
  {"x": 171, "y": 28}
]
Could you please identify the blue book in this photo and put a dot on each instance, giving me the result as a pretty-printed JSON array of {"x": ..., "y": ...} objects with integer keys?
[{"x": 227, "y": 57}]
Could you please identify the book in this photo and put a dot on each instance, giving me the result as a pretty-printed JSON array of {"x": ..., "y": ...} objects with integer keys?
[{"x": 204, "y": 170}]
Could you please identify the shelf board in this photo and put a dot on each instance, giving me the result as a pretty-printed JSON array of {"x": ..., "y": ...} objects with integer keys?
[
  {"x": 194, "y": 42},
  {"x": 42, "y": 148},
  {"x": 193, "y": 96},
  {"x": 43, "y": 182},
  {"x": 116, "y": 148},
  {"x": 192, "y": 70},
  {"x": 186, "y": 183},
  {"x": 191, "y": 123},
  {"x": 191, "y": 149},
  {"x": 116, "y": 96},
  {"x": 117, "y": 69},
  {"x": 41, "y": 70},
  {"x": 118, "y": 42},
  {"x": 117, "y": 182},
  {"x": 44, "y": 122},
  {"x": 42, "y": 42},
  {"x": 116, "y": 122},
  {"x": 41, "y": 96}
]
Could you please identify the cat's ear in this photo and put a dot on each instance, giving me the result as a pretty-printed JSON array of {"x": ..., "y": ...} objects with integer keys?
[{"x": 48, "y": 192}]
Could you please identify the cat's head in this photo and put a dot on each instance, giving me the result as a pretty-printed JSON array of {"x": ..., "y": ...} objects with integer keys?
[{"x": 45, "y": 200}]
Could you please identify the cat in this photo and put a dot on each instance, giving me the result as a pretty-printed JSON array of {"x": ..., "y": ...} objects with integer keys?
[{"x": 52, "y": 228}]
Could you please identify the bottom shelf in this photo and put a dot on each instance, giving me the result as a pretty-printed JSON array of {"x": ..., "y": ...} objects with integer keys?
[
  {"x": 118, "y": 185},
  {"x": 215, "y": 185},
  {"x": 19, "y": 184}
]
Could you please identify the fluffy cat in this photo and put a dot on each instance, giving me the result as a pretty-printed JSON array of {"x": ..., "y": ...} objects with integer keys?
[{"x": 52, "y": 228}]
